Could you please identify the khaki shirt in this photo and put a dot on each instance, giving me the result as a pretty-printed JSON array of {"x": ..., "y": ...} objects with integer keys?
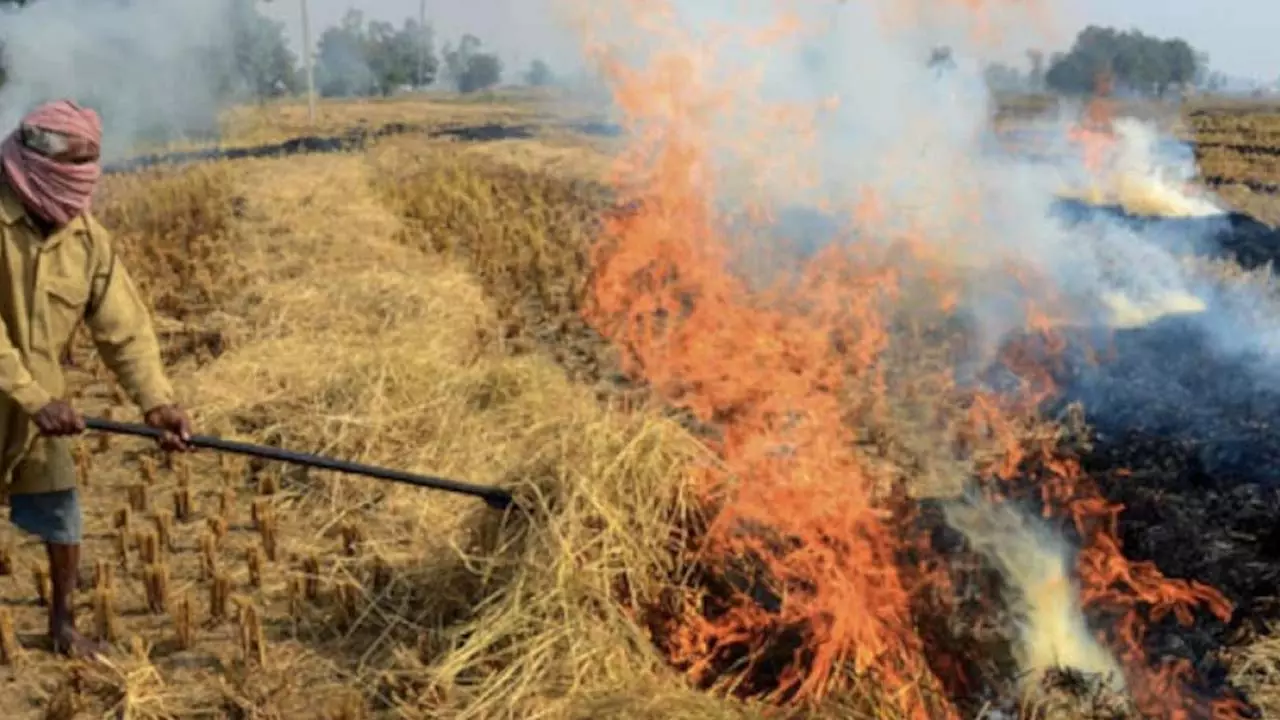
[{"x": 47, "y": 286}]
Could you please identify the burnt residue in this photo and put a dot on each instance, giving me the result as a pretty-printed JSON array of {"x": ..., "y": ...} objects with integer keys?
[
  {"x": 1235, "y": 235},
  {"x": 359, "y": 138}
]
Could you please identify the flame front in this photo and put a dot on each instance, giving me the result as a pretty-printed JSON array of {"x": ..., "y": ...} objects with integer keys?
[{"x": 795, "y": 372}]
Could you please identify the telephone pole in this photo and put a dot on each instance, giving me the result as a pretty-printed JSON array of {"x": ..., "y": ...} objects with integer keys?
[{"x": 308, "y": 64}]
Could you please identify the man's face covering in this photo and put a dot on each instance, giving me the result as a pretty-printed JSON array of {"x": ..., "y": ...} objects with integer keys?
[{"x": 51, "y": 160}]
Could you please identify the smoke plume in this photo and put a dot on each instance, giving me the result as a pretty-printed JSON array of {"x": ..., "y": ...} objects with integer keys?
[{"x": 155, "y": 70}]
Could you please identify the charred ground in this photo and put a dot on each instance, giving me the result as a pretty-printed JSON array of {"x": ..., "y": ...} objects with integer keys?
[{"x": 1181, "y": 433}]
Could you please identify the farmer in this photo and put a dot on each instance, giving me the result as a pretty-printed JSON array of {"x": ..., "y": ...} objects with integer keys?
[{"x": 58, "y": 268}]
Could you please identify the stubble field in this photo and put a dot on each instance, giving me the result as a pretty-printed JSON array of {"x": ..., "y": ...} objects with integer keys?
[{"x": 415, "y": 301}]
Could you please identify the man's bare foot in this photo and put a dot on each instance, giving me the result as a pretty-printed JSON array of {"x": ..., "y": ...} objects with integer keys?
[{"x": 69, "y": 642}]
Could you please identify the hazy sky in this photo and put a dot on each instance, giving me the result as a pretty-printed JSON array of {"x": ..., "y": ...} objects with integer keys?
[
  {"x": 520, "y": 30},
  {"x": 1239, "y": 35}
]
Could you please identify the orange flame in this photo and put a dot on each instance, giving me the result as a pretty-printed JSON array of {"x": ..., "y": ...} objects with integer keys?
[
  {"x": 789, "y": 375},
  {"x": 1095, "y": 133}
]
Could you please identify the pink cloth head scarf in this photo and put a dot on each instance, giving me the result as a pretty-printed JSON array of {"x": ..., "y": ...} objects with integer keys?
[{"x": 56, "y": 190}]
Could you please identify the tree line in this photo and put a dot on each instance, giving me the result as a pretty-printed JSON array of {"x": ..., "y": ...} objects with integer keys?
[
  {"x": 359, "y": 56},
  {"x": 1136, "y": 63}
]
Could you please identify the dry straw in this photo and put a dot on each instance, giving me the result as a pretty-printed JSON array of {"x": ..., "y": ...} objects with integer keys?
[{"x": 10, "y": 649}]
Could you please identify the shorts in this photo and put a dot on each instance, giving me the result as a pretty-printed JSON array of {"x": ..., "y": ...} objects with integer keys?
[
  {"x": 42, "y": 493},
  {"x": 54, "y": 517}
]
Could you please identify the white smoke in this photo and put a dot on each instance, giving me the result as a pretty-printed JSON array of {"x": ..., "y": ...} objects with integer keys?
[
  {"x": 154, "y": 69},
  {"x": 1052, "y": 632}
]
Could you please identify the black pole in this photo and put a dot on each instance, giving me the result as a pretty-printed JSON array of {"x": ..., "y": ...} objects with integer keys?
[{"x": 496, "y": 498}]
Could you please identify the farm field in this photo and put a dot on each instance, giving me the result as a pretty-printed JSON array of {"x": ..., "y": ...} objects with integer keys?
[{"x": 423, "y": 302}]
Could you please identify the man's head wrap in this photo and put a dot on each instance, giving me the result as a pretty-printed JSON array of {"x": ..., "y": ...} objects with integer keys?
[{"x": 51, "y": 160}]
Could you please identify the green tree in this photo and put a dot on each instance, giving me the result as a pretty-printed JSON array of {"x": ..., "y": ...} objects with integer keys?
[
  {"x": 1139, "y": 62},
  {"x": 1001, "y": 77},
  {"x": 400, "y": 57},
  {"x": 342, "y": 63},
  {"x": 388, "y": 69},
  {"x": 468, "y": 69},
  {"x": 482, "y": 71},
  {"x": 539, "y": 74},
  {"x": 415, "y": 44},
  {"x": 261, "y": 64},
  {"x": 1182, "y": 62},
  {"x": 264, "y": 65},
  {"x": 359, "y": 57}
]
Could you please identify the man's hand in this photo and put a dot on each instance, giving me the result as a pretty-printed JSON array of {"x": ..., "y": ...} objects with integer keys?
[
  {"x": 59, "y": 418},
  {"x": 175, "y": 424}
]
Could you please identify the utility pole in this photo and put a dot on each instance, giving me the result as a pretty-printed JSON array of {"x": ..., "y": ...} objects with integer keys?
[
  {"x": 422, "y": 44},
  {"x": 308, "y": 64}
]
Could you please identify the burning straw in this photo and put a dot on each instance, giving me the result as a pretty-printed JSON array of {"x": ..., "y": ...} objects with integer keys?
[{"x": 831, "y": 392}]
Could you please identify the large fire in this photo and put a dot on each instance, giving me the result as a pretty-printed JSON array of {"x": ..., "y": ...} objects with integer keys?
[{"x": 804, "y": 376}]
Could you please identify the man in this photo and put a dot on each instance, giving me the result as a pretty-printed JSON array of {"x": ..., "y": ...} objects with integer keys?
[{"x": 58, "y": 268}]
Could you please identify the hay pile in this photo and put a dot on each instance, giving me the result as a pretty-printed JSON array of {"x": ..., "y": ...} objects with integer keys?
[{"x": 370, "y": 349}]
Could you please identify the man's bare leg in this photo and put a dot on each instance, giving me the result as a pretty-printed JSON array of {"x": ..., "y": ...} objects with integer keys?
[{"x": 64, "y": 576}]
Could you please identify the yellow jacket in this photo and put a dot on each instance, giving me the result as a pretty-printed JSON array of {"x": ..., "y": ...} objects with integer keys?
[{"x": 47, "y": 286}]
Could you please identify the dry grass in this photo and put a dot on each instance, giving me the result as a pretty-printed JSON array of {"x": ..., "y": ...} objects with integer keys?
[
  {"x": 349, "y": 332},
  {"x": 279, "y": 120},
  {"x": 414, "y": 306},
  {"x": 1256, "y": 670},
  {"x": 174, "y": 230},
  {"x": 522, "y": 229}
]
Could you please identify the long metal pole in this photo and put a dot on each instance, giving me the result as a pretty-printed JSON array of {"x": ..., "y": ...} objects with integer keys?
[
  {"x": 307, "y": 63},
  {"x": 496, "y": 498}
]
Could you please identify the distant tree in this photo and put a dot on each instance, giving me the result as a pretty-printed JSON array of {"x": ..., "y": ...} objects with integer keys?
[
  {"x": 342, "y": 64},
  {"x": 1035, "y": 76},
  {"x": 941, "y": 59},
  {"x": 455, "y": 58},
  {"x": 539, "y": 74},
  {"x": 415, "y": 46},
  {"x": 1181, "y": 64},
  {"x": 401, "y": 57},
  {"x": 388, "y": 69},
  {"x": 468, "y": 69},
  {"x": 1004, "y": 78},
  {"x": 261, "y": 63},
  {"x": 264, "y": 65},
  {"x": 359, "y": 57},
  {"x": 1139, "y": 63},
  {"x": 1202, "y": 69}
]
